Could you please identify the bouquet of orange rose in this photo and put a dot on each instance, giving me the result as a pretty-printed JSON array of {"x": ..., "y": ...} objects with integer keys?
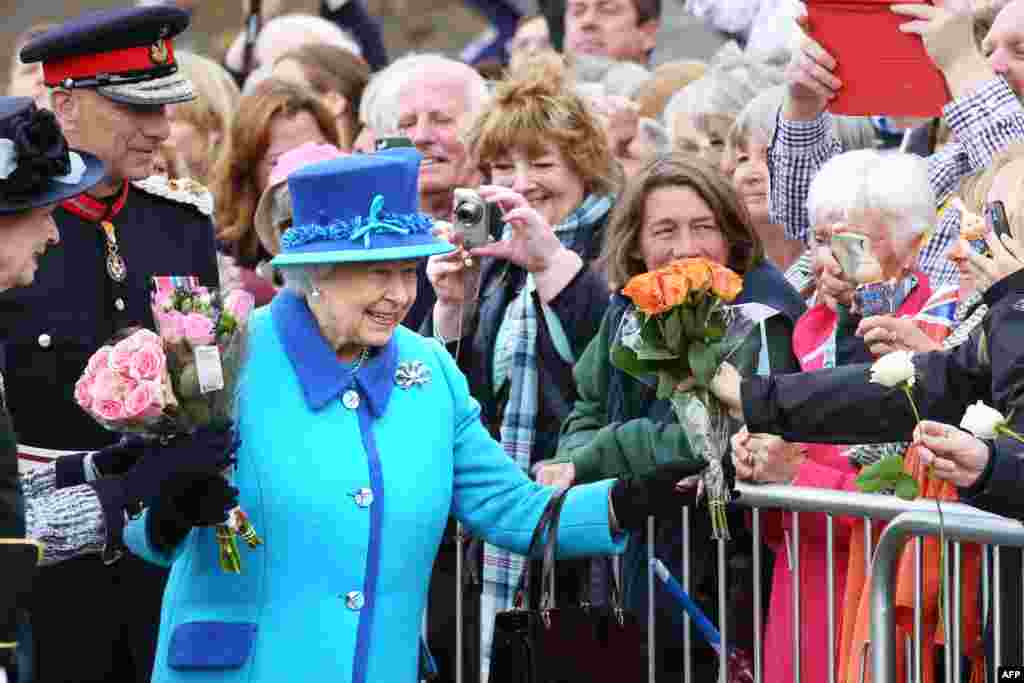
[
  {"x": 162, "y": 384},
  {"x": 680, "y": 330}
]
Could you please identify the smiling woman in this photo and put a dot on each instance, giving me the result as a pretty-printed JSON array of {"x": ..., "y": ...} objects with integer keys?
[{"x": 551, "y": 170}]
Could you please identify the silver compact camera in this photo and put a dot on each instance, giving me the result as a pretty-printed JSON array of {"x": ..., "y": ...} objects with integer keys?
[{"x": 479, "y": 222}]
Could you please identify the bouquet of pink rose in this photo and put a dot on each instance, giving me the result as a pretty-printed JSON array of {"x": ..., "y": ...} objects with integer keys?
[{"x": 174, "y": 381}]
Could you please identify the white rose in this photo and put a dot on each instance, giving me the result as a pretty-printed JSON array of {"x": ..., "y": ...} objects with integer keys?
[
  {"x": 893, "y": 369},
  {"x": 982, "y": 420}
]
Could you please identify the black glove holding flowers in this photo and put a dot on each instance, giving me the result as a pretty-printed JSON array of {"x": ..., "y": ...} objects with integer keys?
[
  {"x": 41, "y": 153},
  {"x": 185, "y": 503},
  {"x": 201, "y": 455}
]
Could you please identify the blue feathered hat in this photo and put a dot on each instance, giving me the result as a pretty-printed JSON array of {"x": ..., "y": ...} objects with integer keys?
[{"x": 358, "y": 208}]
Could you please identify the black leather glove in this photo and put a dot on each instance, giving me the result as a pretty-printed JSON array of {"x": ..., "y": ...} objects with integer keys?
[
  {"x": 187, "y": 503},
  {"x": 635, "y": 498},
  {"x": 112, "y": 460},
  {"x": 196, "y": 456}
]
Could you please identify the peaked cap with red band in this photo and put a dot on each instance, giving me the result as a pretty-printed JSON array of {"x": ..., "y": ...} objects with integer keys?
[{"x": 126, "y": 54}]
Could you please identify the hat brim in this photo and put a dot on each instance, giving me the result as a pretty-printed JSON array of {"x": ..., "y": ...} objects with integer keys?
[
  {"x": 262, "y": 220},
  {"x": 364, "y": 255},
  {"x": 172, "y": 89},
  {"x": 55, "y": 191}
]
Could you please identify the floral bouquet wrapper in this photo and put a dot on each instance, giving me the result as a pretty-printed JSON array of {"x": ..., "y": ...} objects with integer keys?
[
  {"x": 177, "y": 379},
  {"x": 680, "y": 330}
]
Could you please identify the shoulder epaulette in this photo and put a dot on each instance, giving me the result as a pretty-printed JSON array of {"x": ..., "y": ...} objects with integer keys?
[{"x": 181, "y": 190}]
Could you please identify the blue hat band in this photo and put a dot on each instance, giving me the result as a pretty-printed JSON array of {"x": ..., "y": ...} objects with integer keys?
[
  {"x": 378, "y": 229},
  {"x": 378, "y": 241}
]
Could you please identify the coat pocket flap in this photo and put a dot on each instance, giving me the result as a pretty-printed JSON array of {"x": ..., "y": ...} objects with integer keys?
[{"x": 211, "y": 645}]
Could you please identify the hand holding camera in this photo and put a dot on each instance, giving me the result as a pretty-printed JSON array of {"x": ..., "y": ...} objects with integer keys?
[
  {"x": 452, "y": 275},
  {"x": 532, "y": 244}
]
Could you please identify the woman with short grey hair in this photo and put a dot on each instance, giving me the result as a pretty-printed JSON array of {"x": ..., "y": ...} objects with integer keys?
[{"x": 700, "y": 115}]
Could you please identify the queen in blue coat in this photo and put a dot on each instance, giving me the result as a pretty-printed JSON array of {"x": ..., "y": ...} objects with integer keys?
[{"x": 359, "y": 438}]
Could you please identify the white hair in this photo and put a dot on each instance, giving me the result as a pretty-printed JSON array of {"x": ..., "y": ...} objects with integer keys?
[
  {"x": 302, "y": 279},
  {"x": 314, "y": 29},
  {"x": 420, "y": 68},
  {"x": 724, "y": 91},
  {"x": 378, "y": 108},
  {"x": 889, "y": 182},
  {"x": 759, "y": 117}
]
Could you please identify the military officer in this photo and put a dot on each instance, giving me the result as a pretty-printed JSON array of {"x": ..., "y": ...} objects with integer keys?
[{"x": 111, "y": 75}]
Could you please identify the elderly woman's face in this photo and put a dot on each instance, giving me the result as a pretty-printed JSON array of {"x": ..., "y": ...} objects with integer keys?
[
  {"x": 705, "y": 138},
  {"x": 678, "y": 223},
  {"x": 750, "y": 178},
  {"x": 287, "y": 133},
  {"x": 26, "y": 237},
  {"x": 361, "y": 304},
  {"x": 547, "y": 181},
  {"x": 894, "y": 254}
]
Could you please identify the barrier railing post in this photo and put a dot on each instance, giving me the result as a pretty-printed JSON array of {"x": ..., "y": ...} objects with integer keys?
[
  {"x": 687, "y": 635},
  {"x": 651, "y": 652},
  {"x": 977, "y": 526},
  {"x": 756, "y": 528}
]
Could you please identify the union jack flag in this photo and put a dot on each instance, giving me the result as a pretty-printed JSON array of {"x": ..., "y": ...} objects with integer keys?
[{"x": 938, "y": 316}]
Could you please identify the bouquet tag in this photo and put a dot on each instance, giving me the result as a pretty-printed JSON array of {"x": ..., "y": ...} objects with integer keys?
[{"x": 208, "y": 369}]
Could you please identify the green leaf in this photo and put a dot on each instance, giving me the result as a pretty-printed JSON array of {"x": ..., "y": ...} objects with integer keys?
[
  {"x": 673, "y": 330},
  {"x": 689, "y": 321},
  {"x": 645, "y": 352},
  {"x": 869, "y": 484},
  {"x": 890, "y": 467},
  {"x": 906, "y": 488},
  {"x": 666, "y": 385},
  {"x": 624, "y": 359},
  {"x": 715, "y": 331},
  {"x": 702, "y": 362},
  {"x": 650, "y": 333}
]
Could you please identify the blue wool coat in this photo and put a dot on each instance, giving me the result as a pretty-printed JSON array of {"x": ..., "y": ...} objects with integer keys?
[{"x": 349, "y": 480}]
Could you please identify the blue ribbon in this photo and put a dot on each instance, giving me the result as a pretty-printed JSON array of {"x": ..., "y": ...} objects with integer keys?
[{"x": 375, "y": 225}]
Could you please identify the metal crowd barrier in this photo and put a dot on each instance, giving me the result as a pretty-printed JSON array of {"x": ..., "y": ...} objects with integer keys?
[{"x": 908, "y": 519}]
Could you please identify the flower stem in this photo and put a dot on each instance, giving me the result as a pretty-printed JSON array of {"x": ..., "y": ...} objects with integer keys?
[
  {"x": 1006, "y": 431},
  {"x": 910, "y": 397},
  {"x": 942, "y": 576}
]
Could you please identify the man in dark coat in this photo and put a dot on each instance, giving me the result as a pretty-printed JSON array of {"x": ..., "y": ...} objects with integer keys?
[{"x": 111, "y": 76}]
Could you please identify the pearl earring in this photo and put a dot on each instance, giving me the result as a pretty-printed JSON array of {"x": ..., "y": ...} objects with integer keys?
[{"x": 315, "y": 293}]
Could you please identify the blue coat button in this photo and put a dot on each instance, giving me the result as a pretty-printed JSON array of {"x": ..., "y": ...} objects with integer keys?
[
  {"x": 363, "y": 497},
  {"x": 350, "y": 399},
  {"x": 354, "y": 600}
]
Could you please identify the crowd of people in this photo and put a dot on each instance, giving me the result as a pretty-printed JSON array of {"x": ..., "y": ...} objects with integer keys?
[{"x": 308, "y": 169}]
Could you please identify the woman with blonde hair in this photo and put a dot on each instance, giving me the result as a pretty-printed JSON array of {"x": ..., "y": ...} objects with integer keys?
[
  {"x": 517, "y": 334},
  {"x": 198, "y": 127},
  {"x": 276, "y": 117}
]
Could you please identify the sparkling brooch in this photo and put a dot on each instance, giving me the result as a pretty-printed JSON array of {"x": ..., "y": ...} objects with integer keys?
[{"x": 411, "y": 373}]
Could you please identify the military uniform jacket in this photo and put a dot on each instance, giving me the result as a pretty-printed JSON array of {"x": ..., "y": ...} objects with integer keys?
[
  {"x": 349, "y": 480},
  {"x": 53, "y": 326}
]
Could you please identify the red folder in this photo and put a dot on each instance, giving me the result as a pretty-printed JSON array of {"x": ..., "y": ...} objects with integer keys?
[{"x": 883, "y": 71}]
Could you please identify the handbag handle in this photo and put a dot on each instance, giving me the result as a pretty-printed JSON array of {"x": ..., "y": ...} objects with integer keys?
[
  {"x": 550, "y": 513},
  {"x": 547, "y": 577}
]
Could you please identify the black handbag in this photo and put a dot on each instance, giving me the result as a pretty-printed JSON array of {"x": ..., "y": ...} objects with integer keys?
[{"x": 578, "y": 644}]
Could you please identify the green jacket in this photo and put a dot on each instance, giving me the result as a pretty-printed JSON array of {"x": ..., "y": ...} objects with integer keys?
[{"x": 617, "y": 425}]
